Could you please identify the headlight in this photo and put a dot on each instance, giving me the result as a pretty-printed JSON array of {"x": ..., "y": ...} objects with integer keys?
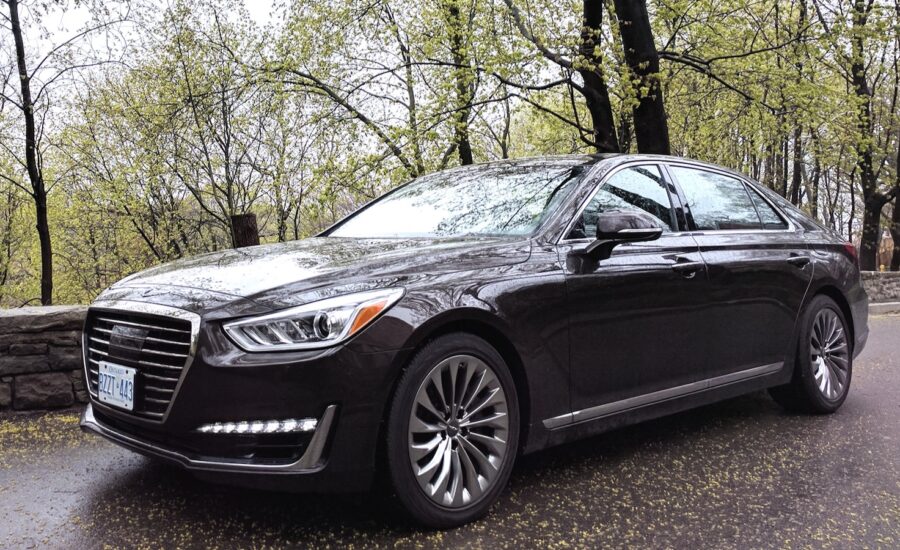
[{"x": 314, "y": 325}]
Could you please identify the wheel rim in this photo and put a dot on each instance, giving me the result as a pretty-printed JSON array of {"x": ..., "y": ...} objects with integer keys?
[
  {"x": 829, "y": 354},
  {"x": 458, "y": 431}
]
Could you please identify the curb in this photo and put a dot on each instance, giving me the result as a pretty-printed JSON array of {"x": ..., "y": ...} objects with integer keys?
[{"x": 885, "y": 308}]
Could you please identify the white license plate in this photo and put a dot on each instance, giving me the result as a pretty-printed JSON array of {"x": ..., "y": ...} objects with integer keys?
[{"x": 116, "y": 385}]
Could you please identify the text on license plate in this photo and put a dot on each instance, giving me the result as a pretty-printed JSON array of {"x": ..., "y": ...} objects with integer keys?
[{"x": 116, "y": 385}]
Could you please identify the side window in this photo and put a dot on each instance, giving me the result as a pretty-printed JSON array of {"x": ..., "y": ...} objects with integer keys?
[
  {"x": 717, "y": 202},
  {"x": 635, "y": 188},
  {"x": 770, "y": 218}
]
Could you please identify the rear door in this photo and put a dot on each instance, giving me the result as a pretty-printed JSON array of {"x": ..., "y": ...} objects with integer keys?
[
  {"x": 759, "y": 269},
  {"x": 634, "y": 320}
]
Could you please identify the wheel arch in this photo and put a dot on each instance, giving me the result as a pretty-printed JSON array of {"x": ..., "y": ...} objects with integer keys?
[
  {"x": 489, "y": 328},
  {"x": 833, "y": 292}
]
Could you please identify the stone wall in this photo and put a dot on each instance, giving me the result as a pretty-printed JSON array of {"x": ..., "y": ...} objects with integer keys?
[
  {"x": 882, "y": 286},
  {"x": 40, "y": 357}
]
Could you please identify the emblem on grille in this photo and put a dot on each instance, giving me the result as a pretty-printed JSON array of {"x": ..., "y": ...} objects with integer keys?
[{"x": 126, "y": 341}]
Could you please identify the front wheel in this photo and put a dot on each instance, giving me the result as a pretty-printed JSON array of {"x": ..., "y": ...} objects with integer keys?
[
  {"x": 452, "y": 431},
  {"x": 824, "y": 363}
]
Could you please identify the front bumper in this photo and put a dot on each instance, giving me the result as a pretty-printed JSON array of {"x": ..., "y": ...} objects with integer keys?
[
  {"x": 312, "y": 460},
  {"x": 346, "y": 388}
]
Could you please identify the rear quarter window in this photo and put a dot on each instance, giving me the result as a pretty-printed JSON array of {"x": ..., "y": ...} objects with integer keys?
[
  {"x": 769, "y": 217},
  {"x": 717, "y": 202},
  {"x": 795, "y": 214}
]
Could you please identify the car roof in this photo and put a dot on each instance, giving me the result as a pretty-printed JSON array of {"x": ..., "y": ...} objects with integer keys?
[
  {"x": 622, "y": 158},
  {"x": 611, "y": 159}
]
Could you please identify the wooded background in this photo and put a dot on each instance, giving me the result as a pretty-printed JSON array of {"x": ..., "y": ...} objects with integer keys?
[{"x": 146, "y": 130}]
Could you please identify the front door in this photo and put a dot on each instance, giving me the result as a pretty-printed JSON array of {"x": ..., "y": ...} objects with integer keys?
[{"x": 633, "y": 317}]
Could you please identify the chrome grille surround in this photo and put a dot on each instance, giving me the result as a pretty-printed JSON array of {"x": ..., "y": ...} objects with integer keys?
[{"x": 162, "y": 362}]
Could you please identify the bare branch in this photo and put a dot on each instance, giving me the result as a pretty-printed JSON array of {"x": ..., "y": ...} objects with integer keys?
[{"x": 538, "y": 43}]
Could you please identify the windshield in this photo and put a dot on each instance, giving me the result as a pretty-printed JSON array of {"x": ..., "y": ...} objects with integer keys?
[{"x": 491, "y": 199}]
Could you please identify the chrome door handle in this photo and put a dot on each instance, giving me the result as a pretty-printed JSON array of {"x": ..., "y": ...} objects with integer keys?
[
  {"x": 799, "y": 261},
  {"x": 688, "y": 269}
]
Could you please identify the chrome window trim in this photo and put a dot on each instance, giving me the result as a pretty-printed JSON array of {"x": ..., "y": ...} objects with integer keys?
[
  {"x": 666, "y": 163},
  {"x": 544, "y": 231},
  {"x": 648, "y": 399},
  {"x": 747, "y": 182},
  {"x": 131, "y": 306},
  {"x": 612, "y": 171},
  {"x": 311, "y": 460}
]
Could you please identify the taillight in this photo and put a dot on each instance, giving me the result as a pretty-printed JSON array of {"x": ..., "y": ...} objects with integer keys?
[{"x": 851, "y": 250}]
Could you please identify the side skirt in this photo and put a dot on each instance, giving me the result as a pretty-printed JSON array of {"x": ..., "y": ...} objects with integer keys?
[{"x": 616, "y": 407}]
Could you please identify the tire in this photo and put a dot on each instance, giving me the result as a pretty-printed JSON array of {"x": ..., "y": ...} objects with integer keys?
[
  {"x": 824, "y": 362},
  {"x": 448, "y": 465}
]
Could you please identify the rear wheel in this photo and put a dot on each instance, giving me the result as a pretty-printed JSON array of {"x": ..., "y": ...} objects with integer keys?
[
  {"x": 824, "y": 363},
  {"x": 452, "y": 431}
]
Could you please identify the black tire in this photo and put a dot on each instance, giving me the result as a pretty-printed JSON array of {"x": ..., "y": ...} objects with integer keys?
[
  {"x": 803, "y": 393},
  {"x": 407, "y": 489}
]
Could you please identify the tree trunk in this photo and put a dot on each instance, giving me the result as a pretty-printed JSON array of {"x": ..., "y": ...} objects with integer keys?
[
  {"x": 895, "y": 234},
  {"x": 461, "y": 76},
  {"x": 873, "y": 200},
  {"x": 871, "y": 231},
  {"x": 814, "y": 194},
  {"x": 817, "y": 176},
  {"x": 780, "y": 182},
  {"x": 651, "y": 128},
  {"x": 784, "y": 167},
  {"x": 852, "y": 206},
  {"x": 624, "y": 132},
  {"x": 244, "y": 231},
  {"x": 596, "y": 95},
  {"x": 35, "y": 174},
  {"x": 43, "y": 229},
  {"x": 797, "y": 172}
]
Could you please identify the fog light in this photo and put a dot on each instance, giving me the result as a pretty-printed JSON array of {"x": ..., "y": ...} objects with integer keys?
[{"x": 291, "y": 425}]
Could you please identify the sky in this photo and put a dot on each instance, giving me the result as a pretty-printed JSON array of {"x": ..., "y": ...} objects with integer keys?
[{"x": 63, "y": 24}]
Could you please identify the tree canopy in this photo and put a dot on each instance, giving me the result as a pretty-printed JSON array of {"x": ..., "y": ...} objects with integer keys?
[{"x": 141, "y": 131}]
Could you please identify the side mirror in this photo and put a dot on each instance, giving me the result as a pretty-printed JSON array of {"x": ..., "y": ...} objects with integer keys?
[{"x": 615, "y": 227}]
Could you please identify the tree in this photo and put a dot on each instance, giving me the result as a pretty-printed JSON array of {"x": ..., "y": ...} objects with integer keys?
[
  {"x": 651, "y": 128},
  {"x": 32, "y": 99},
  {"x": 873, "y": 198},
  {"x": 589, "y": 65},
  {"x": 10, "y": 202},
  {"x": 33, "y": 164},
  {"x": 211, "y": 118}
]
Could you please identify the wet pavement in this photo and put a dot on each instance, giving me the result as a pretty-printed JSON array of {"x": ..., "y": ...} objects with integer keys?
[{"x": 737, "y": 474}]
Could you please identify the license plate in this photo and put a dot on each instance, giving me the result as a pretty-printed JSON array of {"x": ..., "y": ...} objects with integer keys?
[{"x": 116, "y": 385}]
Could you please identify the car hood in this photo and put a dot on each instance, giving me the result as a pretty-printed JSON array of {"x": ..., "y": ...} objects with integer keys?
[{"x": 277, "y": 275}]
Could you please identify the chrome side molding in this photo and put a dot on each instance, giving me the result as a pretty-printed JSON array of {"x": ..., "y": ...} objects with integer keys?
[{"x": 608, "y": 409}]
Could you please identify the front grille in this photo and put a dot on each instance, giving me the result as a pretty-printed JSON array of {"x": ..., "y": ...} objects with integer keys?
[{"x": 157, "y": 347}]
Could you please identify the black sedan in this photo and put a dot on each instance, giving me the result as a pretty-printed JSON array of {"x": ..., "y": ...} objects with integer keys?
[{"x": 472, "y": 316}]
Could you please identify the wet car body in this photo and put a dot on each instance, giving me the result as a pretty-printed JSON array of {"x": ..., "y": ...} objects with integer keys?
[{"x": 592, "y": 345}]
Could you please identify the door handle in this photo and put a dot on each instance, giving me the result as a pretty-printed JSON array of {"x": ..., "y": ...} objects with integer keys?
[
  {"x": 687, "y": 269},
  {"x": 799, "y": 261}
]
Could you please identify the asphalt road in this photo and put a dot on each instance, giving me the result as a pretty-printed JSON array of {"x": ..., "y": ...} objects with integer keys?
[{"x": 738, "y": 474}]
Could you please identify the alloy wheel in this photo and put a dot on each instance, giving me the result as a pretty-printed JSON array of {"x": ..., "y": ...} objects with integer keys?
[
  {"x": 458, "y": 431},
  {"x": 829, "y": 354}
]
